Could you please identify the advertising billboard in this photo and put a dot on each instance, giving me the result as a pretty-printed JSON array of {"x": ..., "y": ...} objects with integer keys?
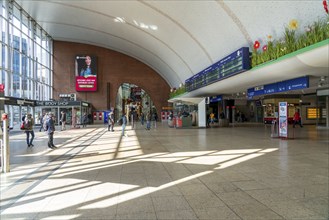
[{"x": 85, "y": 73}]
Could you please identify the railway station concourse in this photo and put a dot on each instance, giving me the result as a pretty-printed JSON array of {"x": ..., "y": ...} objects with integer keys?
[{"x": 210, "y": 89}]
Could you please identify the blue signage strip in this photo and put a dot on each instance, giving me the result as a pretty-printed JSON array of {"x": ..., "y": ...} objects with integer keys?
[
  {"x": 216, "y": 98},
  {"x": 292, "y": 84},
  {"x": 237, "y": 62}
]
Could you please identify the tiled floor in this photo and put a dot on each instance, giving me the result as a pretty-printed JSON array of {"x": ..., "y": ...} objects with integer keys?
[{"x": 166, "y": 173}]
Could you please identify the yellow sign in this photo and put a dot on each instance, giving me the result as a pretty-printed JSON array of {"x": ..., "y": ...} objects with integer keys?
[{"x": 312, "y": 113}]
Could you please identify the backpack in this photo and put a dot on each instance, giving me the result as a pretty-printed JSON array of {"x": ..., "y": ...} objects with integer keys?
[{"x": 27, "y": 124}]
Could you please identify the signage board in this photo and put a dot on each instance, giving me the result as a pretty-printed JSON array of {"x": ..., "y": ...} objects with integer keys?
[
  {"x": 288, "y": 85},
  {"x": 216, "y": 98},
  {"x": 86, "y": 73},
  {"x": 283, "y": 119},
  {"x": 236, "y": 62}
]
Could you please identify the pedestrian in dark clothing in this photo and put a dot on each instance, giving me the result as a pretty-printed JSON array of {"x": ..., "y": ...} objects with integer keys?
[
  {"x": 41, "y": 121},
  {"x": 28, "y": 125},
  {"x": 84, "y": 120},
  {"x": 63, "y": 120},
  {"x": 50, "y": 126},
  {"x": 111, "y": 121}
]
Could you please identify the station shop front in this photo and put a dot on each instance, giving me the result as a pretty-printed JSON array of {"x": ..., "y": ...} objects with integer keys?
[{"x": 74, "y": 110}]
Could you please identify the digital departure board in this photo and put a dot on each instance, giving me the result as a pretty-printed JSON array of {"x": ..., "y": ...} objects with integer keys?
[{"x": 232, "y": 64}]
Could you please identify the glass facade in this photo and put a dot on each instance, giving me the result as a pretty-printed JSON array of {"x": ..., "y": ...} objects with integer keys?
[{"x": 26, "y": 68}]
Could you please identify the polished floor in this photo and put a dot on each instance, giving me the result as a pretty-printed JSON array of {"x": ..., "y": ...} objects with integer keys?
[{"x": 238, "y": 172}]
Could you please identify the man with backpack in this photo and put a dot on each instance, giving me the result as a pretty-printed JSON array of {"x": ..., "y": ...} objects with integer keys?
[{"x": 28, "y": 127}]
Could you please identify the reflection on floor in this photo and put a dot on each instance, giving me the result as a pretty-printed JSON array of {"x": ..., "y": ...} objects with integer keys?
[{"x": 166, "y": 173}]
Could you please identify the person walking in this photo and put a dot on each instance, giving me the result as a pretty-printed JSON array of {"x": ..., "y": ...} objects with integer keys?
[
  {"x": 28, "y": 125},
  {"x": 212, "y": 118},
  {"x": 155, "y": 119},
  {"x": 142, "y": 117},
  {"x": 297, "y": 119},
  {"x": 111, "y": 121},
  {"x": 41, "y": 118},
  {"x": 124, "y": 123},
  {"x": 148, "y": 120},
  {"x": 50, "y": 126},
  {"x": 63, "y": 120},
  {"x": 84, "y": 120}
]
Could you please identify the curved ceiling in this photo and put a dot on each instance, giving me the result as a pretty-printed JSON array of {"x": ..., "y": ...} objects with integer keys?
[{"x": 176, "y": 38}]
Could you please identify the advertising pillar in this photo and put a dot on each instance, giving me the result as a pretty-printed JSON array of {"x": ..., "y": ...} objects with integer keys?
[
  {"x": 202, "y": 113},
  {"x": 283, "y": 119}
]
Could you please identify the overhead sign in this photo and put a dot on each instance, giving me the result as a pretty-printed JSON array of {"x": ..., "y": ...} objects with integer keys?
[
  {"x": 288, "y": 85},
  {"x": 236, "y": 62},
  {"x": 216, "y": 98}
]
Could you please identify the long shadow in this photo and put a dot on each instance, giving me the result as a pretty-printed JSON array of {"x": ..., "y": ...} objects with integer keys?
[
  {"x": 65, "y": 159},
  {"x": 23, "y": 179}
]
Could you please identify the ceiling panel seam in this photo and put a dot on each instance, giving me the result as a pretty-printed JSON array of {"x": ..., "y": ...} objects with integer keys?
[
  {"x": 236, "y": 20},
  {"x": 181, "y": 27},
  {"x": 133, "y": 26}
]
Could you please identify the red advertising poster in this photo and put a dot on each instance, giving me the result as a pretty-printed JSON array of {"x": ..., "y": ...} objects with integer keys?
[{"x": 86, "y": 73}]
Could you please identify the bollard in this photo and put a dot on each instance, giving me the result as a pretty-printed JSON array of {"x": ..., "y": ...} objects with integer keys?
[{"x": 5, "y": 154}]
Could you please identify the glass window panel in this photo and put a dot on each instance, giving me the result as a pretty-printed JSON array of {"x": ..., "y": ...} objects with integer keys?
[
  {"x": 37, "y": 52},
  {"x": 4, "y": 11},
  {"x": 16, "y": 16},
  {"x": 16, "y": 41},
  {"x": 44, "y": 40},
  {"x": 37, "y": 35},
  {"x": 44, "y": 57},
  {"x": 24, "y": 44},
  {"x": 1, "y": 55},
  {"x": 25, "y": 66},
  {"x": 4, "y": 56},
  {"x": 25, "y": 24},
  {"x": 16, "y": 62},
  {"x": 16, "y": 79},
  {"x": 4, "y": 30},
  {"x": 25, "y": 87},
  {"x": 30, "y": 56},
  {"x": 3, "y": 76}
]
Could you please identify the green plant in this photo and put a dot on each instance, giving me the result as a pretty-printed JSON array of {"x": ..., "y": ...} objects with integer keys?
[
  {"x": 291, "y": 42},
  {"x": 175, "y": 92}
]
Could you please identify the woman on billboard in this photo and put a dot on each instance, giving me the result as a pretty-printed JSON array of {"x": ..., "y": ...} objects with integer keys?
[{"x": 88, "y": 69}]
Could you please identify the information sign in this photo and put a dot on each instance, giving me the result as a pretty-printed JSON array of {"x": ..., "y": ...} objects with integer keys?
[
  {"x": 292, "y": 84},
  {"x": 237, "y": 62}
]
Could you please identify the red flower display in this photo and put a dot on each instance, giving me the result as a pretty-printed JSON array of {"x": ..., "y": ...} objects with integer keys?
[
  {"x": 265, "y": 48},
  {"x": 256, "y": 44},
  {"x": 325, "y": 6}
]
